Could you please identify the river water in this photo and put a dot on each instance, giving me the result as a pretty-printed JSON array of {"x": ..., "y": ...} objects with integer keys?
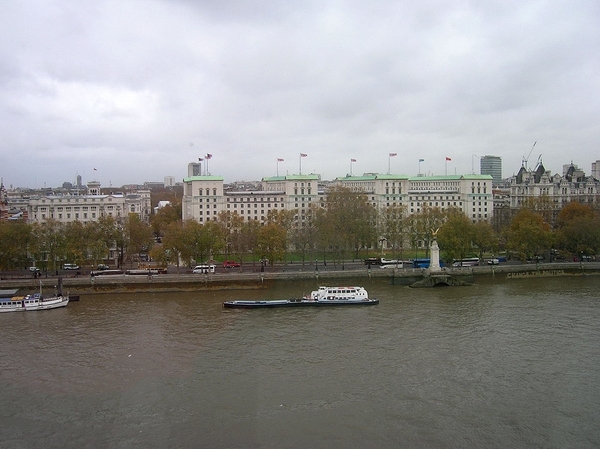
[{"x": 512, "y": 363}]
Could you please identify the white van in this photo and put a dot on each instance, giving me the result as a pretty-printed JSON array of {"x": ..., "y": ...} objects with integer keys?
[
  {"x": 203, "y": 269},
  {"x": 70, "y": 266}
]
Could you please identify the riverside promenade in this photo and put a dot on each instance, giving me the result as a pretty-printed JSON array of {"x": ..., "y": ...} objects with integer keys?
[{"x": 236, "y": 280}]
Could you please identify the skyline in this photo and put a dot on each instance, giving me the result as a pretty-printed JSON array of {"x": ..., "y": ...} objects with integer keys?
[
  {"x": 136, "y": 90},
  {"x": 177, "y": 180}
]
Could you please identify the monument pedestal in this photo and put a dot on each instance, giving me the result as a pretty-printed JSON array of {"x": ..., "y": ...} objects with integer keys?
[{"x": 434, "y": 264}]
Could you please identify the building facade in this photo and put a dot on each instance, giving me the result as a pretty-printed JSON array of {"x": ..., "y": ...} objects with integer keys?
[
  {"x": 88, "y": 207},
  {"x": 558, "y": 190},
  {"x": 204, "y": 196},
  {"x": 470, "y": 193}
]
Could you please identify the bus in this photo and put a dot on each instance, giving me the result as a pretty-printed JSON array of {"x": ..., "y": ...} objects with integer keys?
[
  {"x": 423, "y": 263},
  {"x": 468, "y": 262}
]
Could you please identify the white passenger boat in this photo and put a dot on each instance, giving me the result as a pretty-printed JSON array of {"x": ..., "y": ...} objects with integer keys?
[
  {"x": 32, "y": 302},
  {"x": 324, "y": 296},
  {"x": 35, "y": 301}
]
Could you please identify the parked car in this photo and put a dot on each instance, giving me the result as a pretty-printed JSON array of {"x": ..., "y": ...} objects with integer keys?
[
  {"x": 493, "y": 262},
  {"x": 231, "y": 264},
  {"x": 34, "y": 269},
  {"x": 70, "y": 266},
  {"x": 102, "y": 267}
]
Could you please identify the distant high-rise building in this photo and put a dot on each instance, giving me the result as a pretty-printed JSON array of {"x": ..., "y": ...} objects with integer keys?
[
  {"x": 492, "y": 165},
  {"x": 79, "y": 184},
  {"x": 169, "y": 181},
  {"x": 194, "y": 169},
  {"x": 596, "y": 169}
]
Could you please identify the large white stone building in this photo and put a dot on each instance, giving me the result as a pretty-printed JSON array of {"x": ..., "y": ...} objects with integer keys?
[
  {"x": 470, "y": 193},
  {"x": 89, "y": 207},
  {"x": 204, "y": 197}
]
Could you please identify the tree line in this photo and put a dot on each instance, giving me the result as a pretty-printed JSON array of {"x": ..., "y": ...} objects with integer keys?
[{"x": 348, "y": 226}]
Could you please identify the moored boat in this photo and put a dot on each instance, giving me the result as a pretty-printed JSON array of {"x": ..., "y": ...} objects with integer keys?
[
  {"x": 32, "y": 302},
  {"x": 324, "y": 296},
  {"x": 35, "y": 301}
]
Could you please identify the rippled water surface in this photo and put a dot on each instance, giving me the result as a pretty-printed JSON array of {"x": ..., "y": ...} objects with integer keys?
[{"x": 513, "y": 363}]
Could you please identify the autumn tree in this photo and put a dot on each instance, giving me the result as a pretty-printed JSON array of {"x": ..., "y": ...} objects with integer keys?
[
  {"x": 528, "y": 234},
  {"x": 170, "y": 213},
  {"x": 48, "y": 243},
  {"x": 271, "y": 241},
  {"x": 304, "y": 235},
  {"x": 579, "y": 229},
  {"x": 484, "y": 238},
  {"x": 455, "y": 236},
  {"x": 15, "y": 238},
  {"x": 422, "y": 225},
  {"x": 348, "y": 221},
  {"x": 135, "y": 237},
  {"x": 77, "y": 242},
  {"x": 393, "y": 225}
]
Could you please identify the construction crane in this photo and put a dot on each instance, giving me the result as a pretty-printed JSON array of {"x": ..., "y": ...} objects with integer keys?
[{"x": 525, "y": 159}]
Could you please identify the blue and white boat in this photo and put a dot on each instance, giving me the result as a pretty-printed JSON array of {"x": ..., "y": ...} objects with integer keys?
[{"x": 324, "y": 296}]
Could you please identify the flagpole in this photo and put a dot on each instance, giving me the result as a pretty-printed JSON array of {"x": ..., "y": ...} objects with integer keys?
[
  {"x": 446, "y": 167},
  {"x": 300, "y": 161},
  {"x": 420, "y": 160},
  {"x": 351, "y": 166},
  {"x": 278, "y": 167},
  {"x": 389, "y": 163}
]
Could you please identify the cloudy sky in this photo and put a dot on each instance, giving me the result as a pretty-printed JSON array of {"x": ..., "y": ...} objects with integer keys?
[{"x": 129, "y": 91}]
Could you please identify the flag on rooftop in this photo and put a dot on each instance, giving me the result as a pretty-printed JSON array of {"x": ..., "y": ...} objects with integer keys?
[
  {"x": 393, "y": 154},
  {"x": 421, "y": 160},
  {"x": 303, "y": 155},
  {"x": 352, "y": 160},
  {"x": 279, "y": 159},
  {"x": 448, "y": 159}
]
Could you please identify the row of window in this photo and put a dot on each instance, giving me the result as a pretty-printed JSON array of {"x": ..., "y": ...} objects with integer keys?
[
  {"x": 76, "y": 200},
  {"x": 75, "y": 216},
  {"x": 76, "y": 208}
]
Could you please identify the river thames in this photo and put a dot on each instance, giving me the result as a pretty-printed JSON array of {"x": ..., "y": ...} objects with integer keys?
[{"x": 511, "y": 363}]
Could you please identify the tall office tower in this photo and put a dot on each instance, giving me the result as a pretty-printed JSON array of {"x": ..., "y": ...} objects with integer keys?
[
  {"x": 596, "y": 169},
  {"x": 492, "y": 165},
  {"x": 194, "y": 169}
]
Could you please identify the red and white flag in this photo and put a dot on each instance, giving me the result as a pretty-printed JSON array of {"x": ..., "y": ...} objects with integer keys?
[
  {"x": 303, "y": 155},
  {"x": 448, "y": 159},
  {"x": 393, "y": 154},
  {"x": 279, "y": 159},
  {"x": 209, "y": 156}
]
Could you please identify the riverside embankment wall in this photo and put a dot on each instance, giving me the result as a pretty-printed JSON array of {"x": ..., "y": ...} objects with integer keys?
[{"x": 84, "y": 285}]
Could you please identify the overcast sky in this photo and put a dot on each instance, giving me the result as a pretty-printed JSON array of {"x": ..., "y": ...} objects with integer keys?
[{"x": 131, "y": 91}]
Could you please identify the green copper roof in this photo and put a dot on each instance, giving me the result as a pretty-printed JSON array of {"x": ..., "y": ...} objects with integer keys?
[
  {"x": 451, "y": 178},
  {"x": 203, "y": 178},
  {"x": 292, "y": 178},
  {"x": 373, "y": 177}
]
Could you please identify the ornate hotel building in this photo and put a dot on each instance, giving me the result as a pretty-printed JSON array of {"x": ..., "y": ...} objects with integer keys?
[{"x": 573, "y": 185}]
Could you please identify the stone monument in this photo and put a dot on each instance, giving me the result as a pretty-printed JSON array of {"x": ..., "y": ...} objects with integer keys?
[{"x": 434, "y": 264}]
